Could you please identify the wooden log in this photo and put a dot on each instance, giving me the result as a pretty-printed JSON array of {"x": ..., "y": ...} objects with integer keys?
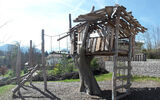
[
  {"x": 129, "y": 62},
  {"x": 18, "y": 65},
  {"x": 25, "y": 80},
  {"x": 114, "y": 76},
  {"x": 43, "y": 63},
  {"x": 30, "y": 58}
]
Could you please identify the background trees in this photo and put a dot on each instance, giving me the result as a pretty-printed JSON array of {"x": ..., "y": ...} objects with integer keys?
[{"x": 152, "y": 42}]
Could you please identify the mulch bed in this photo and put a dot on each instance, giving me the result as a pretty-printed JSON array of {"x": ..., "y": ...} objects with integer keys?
[{"x": 70, "y": 91}]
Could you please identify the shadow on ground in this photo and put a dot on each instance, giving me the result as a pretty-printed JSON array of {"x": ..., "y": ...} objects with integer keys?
[
  {"x": 136, "y": 94},
  {"x": 46, "y": 94}
]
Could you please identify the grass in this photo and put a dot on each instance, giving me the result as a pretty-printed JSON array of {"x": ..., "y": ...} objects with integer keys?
[
  {"x": 145, "y": 78},
  {"x": 9, "y": 72},
  {"x": 5, "y": 89},
  {"x": 108, "y": 76},
  {"x": 102, "y": 77}
]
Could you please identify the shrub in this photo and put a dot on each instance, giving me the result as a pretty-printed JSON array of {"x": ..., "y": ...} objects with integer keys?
[
  {"x": 3, "y": 70},
  {"x": 94, "y": 64},
  {"x": 65, "y": 65}
]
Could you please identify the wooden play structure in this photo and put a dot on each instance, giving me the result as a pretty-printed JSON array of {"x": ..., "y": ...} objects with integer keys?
[
  {"x": 102, "y": 32},
  {"x": 109, "y": 31},
  {"x": 21, "y": 80}
]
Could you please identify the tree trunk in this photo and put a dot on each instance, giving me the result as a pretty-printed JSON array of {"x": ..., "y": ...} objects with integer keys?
[{"x": 87, "y": 80}]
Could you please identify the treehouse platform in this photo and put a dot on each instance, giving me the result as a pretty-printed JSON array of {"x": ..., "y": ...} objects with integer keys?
[{"x": 109, "y": 31}]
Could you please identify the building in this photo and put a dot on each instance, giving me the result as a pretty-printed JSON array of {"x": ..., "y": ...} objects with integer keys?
[{"x": 53, "y": 58}]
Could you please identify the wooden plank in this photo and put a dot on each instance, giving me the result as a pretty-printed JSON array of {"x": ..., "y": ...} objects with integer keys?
[
  {"x": 107, "y": 43},
  {"x": 123, "y": 86},
  {"x": 88, "y": 45},
  {"x": 91, "y": 44},
  {"x": 123, "y": 77},
  {"x": 111, "y": 40},
  {"x": 102, "y": 44},
  {"x": 94, "y": 44},
  {"x": 98, "y": 44}
]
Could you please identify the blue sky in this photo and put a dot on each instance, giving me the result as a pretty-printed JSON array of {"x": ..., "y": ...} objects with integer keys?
[{"x": 26, "y": 18}]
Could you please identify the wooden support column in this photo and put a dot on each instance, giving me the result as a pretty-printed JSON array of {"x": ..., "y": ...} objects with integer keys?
[
  {"x": 115, "y": 57},
  {"x": 43, "y": 63},
  {"x": 30, "y": 58},
  {"x": 70, "y": 26},
  {"x": 129, "y": 62},
  {"x": 18, "y": 66}
]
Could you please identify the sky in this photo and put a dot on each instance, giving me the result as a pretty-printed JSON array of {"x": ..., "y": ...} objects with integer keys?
[{"x": 23, "y": 20}]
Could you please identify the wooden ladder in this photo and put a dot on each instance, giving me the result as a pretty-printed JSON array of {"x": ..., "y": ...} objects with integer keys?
[
  {"x": 122, "y": 74},
  {"x": 122, "y": 77}
]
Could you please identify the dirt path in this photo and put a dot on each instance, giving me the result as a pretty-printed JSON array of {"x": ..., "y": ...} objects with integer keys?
[{"x": 69, "y": 91}]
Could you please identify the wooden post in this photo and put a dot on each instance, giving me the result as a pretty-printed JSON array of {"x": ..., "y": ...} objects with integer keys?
[
  {"x": 70, "y": 22},
  {"x": 70, "y": 26},
  {"x": 129, "y": 62},
  {"x": 115, "y": 56},
  {"x": 30, "y": 58},
  {"x": 51, "y": 43},
  {"x": 43, "y": 63},
  {"x": 18, "y": 66}
]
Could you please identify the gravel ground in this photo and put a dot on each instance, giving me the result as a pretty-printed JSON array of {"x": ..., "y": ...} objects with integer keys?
[{"x": 69, "y": 91}]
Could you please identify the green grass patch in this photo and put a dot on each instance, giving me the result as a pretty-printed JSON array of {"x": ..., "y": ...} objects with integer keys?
[
  {"x": 104, "y": 77},
  {"x": 5, "y": 89},
  {"x": 145, "y": 78}
]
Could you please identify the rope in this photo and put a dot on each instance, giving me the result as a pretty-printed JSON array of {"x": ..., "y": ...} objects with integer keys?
[{"x": 55, "y": 35}]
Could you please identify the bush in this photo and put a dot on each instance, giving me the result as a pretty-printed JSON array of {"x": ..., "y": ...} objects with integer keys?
[
  {"x": 25, "y": 70},
  {"x": 94, "y": 64},
  {"x": 153, "y": 54},
  {"x": 65, "y": 65},
  {"x": 3, "y": 70}
]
